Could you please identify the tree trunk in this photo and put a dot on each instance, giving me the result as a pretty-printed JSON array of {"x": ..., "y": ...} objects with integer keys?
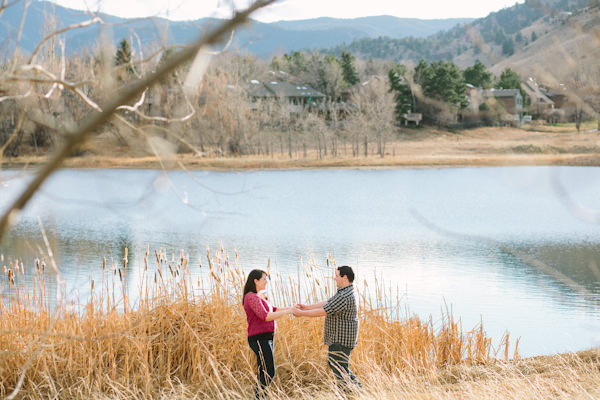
[
  {"x": 319, "y": 142},
  {"x": 366, "y": 147}
]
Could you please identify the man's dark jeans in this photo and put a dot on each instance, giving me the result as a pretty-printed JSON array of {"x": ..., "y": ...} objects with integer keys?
[
  {"x": 263, "y": 349},
  {"x": 338, "y": 358}
]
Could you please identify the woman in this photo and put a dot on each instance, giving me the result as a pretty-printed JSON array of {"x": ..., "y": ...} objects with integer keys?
[{"x": 261, "y": 316}]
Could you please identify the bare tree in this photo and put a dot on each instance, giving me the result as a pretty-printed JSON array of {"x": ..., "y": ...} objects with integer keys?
[{"x": 372, "y": 113}]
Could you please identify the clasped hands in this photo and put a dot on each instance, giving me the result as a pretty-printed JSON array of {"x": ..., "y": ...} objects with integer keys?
[{"x": 297, "y": 310}]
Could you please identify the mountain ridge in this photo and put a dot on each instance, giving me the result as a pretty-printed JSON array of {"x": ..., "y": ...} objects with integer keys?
[{"x": 262, "y": 39}]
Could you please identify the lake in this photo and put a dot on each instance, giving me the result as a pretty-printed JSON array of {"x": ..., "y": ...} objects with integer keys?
[{"x": 516, "y": 247}]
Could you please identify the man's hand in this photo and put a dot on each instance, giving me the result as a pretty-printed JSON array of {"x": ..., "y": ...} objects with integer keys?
[
  {"x": 297, "y": 312},
  {"x": 300, "y": 306}
]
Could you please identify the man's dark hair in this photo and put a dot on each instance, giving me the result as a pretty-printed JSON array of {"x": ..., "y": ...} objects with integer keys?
[{"x": 346, "y": 270}]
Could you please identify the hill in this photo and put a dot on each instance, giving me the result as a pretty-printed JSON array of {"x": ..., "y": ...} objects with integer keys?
[
  {"x": 529, "y": 37},
  {"x": 262, "y": 39}
]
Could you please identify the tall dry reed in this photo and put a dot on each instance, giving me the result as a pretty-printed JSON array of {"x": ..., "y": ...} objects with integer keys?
[{"x": 186, "y": 325}]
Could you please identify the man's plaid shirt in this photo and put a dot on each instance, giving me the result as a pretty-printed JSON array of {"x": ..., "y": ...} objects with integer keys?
[{"x": 341, "y": 322}]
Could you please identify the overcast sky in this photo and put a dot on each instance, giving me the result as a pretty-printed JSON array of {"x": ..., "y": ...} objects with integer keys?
[{"x": 294, "y": 9}]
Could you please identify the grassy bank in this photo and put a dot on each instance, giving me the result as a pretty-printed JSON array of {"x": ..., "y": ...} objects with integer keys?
[
  {"x": 183, "y": 335},
  {"x": 421, "y": 148}
]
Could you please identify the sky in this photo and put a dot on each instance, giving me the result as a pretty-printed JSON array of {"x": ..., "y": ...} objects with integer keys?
[{"x": 293, "y": 9}]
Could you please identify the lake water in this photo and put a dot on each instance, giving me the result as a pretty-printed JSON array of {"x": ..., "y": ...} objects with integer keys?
[{"x": 515, "y": 247}]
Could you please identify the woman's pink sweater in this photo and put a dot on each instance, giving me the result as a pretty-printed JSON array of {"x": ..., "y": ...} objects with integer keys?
[{"x": 256, "y": 309}]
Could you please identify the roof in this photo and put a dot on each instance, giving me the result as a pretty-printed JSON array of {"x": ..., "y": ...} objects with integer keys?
[
  {"x": 554, "y": 92},
  {"x": 534, "y": 91},
  {"x": 281, "y": 89},
  {"x": 360, "y": 85},
  {"x": 501, "y": 93}
]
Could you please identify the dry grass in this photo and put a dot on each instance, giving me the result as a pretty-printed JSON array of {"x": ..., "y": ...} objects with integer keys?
[
  {"x": 180, "y": 339},
  {"x": 427, "y": 147}
]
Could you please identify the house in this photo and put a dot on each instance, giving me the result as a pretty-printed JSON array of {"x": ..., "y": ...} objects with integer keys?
[
  {"x": 298, "y": 98},
  {"x": 507, "y": 104},
  {"x": 538, "y": 101},
  {"x": 558, "y": 96},
  {"x": 511, "y": 100}
]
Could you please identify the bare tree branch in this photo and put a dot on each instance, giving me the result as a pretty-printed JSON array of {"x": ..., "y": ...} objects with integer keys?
[
  {"x": 127, "y": 94},
  {"x": 63, "y": 30},
  {"x": 19, "y": 33}
]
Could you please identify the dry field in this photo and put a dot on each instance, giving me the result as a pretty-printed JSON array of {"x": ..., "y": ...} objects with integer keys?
[
  {"x": 417, "y": 148},
  {"x": 185, "y": 338}
]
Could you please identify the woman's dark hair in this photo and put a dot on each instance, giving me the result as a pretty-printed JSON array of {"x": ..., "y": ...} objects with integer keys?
[{"x": 250, "y": 286}]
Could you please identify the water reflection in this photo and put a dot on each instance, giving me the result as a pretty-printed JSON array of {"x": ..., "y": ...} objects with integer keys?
[{"x": 362, "y": 217}]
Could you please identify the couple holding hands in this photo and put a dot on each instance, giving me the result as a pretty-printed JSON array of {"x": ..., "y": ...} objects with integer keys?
[{"x": 341, "y": 326}]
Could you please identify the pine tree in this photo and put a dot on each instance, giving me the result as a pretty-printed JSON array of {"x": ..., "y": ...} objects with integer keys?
[
  {"x": 478, "y": 75},
  {"x": 509, "y": 79},
  {"x": 348, "y": 70},
  {"x": 123, "y": 56},
  {"x": 508, "y": 47},
  {"x": 403, "y": 96}
]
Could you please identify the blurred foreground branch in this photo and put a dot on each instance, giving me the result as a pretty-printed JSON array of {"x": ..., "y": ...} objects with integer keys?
[{"x": 75, "y": 139}]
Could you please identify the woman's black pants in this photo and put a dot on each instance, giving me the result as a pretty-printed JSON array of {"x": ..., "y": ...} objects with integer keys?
[{"x": 263, "y": 348}]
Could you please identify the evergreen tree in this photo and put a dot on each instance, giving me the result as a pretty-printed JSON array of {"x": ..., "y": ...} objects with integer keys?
[
  {"x": 533, "y": 36},
  {"x": 422, "y": 73},
  {"x": 509, "y": 79},
  {"x": 508, "y": 47},
  {"x": 478, "y": 75},
  {"x": 348, "y": 70},
  {"x": 403, "y": 96},
  {"x": 123, "y": 56},
  {"x": 519, "y": 37},
  {"x": 446, "y": 83}
]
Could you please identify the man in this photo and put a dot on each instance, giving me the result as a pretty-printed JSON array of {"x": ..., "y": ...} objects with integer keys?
[{"x": 341, "y": 325}]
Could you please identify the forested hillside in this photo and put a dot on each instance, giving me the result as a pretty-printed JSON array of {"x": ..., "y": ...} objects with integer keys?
[{"x": 497, "y": 36}]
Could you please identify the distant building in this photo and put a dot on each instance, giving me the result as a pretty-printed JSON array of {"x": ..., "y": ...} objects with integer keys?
[
  {"x": 558, "y": 96},
  {"x": 511, "y": 100},
  {"x": 538, "y": 101},
  {"x": 489, "y": 105},
  {"x": 298, "y": 98}
]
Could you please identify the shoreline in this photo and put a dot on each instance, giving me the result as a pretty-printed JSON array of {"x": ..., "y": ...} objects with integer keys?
[{"x": 244, "y": 163}]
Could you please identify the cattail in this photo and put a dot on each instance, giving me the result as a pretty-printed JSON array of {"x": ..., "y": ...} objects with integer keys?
[{"x": 11, "y": 277}]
